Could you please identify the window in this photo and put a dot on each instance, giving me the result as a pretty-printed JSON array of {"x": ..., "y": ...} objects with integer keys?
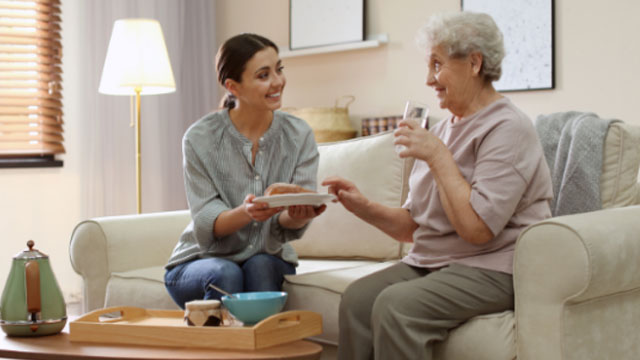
[{"x": 30, "y": 83}]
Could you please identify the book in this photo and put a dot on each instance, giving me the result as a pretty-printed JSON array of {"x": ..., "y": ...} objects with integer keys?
[{"x": 376, "y": 125}]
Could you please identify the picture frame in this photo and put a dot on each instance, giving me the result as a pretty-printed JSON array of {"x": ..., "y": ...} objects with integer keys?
[
  {"x": 528, "y": 30},
  {"x": 316, "y": 23}
]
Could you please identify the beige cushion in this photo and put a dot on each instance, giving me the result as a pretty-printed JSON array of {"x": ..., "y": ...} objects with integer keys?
[
  {"x": 620, "y": 162},
  {"x": 142, "y": 288},
  {"x": 311, "y": 265},
  {"x": 372, "y": 164},
  {"x": 486, "y": 337},
  {"x": 318, "y": 300},
  {"x": 337, "y": 279},
  {"x": 320, "y": 291}
]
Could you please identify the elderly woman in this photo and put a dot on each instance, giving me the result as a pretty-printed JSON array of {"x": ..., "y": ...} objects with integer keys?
[{"x": 478, "y": 180}]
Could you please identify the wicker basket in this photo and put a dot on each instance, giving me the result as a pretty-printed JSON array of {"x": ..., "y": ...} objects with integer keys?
[{"x": 328, "y": 124}]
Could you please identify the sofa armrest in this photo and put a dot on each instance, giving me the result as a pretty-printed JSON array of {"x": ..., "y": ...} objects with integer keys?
[
  {"x": 104, "y": 245},
  {"x": 577, "y": 286}
]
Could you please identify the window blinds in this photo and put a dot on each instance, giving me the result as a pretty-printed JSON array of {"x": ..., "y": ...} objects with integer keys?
[{"x": 30, "y": 78}]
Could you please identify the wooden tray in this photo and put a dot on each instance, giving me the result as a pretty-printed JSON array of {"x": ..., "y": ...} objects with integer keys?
[{"x": 139, "y": 326}]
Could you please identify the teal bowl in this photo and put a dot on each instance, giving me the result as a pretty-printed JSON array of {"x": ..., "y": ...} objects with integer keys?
[{"x": 252, "y": 307}]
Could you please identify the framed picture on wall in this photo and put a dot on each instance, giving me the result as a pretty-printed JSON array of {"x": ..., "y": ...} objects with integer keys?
[
  {"x": 527, "y": 26},
  {"x": 314, "y": 23}
]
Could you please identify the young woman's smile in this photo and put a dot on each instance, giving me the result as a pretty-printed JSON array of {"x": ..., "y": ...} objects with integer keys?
[{"x": 262, "y": 81}]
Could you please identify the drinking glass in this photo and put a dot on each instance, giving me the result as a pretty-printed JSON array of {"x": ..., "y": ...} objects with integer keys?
[{"x": 418, "y": 112}]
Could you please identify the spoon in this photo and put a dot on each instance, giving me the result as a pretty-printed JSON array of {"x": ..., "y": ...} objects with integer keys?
[{"x": 221, "y": 291}]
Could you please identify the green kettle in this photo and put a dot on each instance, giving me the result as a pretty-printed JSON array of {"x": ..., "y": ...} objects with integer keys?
[{"x": 32, "y": 303}]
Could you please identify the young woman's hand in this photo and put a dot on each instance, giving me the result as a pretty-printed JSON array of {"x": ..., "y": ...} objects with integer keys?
[
  {"x": 259, "y": 211},
  {"x": 298, "y": 216},
  {"x": 304, "y": 212}
]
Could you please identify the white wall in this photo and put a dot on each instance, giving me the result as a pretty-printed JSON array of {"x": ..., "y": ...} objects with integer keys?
[
  {"x": 595, "y": 48},
  {"x": 98, "y": 174},
  {"x": 43, "y": 204},
  {"x": 596, "y": 70}
]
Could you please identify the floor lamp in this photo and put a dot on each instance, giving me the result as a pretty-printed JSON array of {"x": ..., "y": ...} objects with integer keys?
[{"x": 137, "y": 63}]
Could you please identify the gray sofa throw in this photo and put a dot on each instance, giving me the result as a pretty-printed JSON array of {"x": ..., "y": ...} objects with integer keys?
[{"x": 573, "y": 145}]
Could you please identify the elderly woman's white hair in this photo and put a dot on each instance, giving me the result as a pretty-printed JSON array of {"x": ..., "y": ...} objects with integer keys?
[{"x": 465, "y": 32}]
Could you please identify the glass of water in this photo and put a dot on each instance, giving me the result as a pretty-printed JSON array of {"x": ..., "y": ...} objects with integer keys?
[{"x": 418, "y": 112}]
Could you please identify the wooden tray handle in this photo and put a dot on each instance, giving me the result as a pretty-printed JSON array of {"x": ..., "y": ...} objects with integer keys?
[
  {"x": 126, "y": 313},
  {"x": 287, "y": 319}
]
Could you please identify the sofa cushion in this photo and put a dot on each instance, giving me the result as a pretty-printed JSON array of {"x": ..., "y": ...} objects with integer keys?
[
  {"x": 320, "y": 291},
  {"x": 308, "y": 266},
  {"x": 493, "y": 334},
  {"x": 620, "y": 161},
  {"x": 338, "y": 277},
  {"x": 141, "y": 288},
  {"x": 372, "y": 164}
]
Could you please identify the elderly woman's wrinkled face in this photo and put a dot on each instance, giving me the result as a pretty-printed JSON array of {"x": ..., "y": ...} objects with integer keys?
[{"x": 451, "y": 78}]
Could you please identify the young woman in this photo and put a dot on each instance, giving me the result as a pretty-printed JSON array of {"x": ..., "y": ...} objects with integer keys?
[{"x": 230, "y": 157}]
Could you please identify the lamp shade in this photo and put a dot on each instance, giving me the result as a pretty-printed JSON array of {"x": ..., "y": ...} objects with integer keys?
[{"x": 137, "y": 58}]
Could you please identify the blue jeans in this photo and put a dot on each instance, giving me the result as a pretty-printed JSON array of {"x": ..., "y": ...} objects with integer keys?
[{"x": 190, "y": 281}]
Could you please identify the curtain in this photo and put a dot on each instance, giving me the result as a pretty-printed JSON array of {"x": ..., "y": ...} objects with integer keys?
[{"x": 108, "y": 144}]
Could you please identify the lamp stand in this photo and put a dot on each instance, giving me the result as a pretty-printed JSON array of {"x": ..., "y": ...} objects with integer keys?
[
  {"x": 138, "y": 158},
  {"x": 125, "y": 70}
]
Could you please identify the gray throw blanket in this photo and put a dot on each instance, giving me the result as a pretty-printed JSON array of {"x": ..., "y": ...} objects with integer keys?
[{"x": 573, "y": 147}]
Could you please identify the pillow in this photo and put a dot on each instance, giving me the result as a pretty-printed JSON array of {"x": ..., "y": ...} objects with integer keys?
[
  {"x": 620, "y": 161},
  {"x": 372, "y": 164}
]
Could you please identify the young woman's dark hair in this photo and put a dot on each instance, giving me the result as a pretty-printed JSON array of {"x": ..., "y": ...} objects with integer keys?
[{"x": 232, "y": 59}]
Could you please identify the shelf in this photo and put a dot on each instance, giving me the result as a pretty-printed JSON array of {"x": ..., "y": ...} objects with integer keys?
[{"x": 372, "y": 42}]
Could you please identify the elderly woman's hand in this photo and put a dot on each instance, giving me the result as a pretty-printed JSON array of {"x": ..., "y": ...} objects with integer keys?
[
  {"x": 419, "y": 142},
  {"x": 346, "y": 193}
]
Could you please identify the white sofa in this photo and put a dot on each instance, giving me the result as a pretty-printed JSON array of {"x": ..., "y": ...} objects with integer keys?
[{"x": 576, "y": 277}]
